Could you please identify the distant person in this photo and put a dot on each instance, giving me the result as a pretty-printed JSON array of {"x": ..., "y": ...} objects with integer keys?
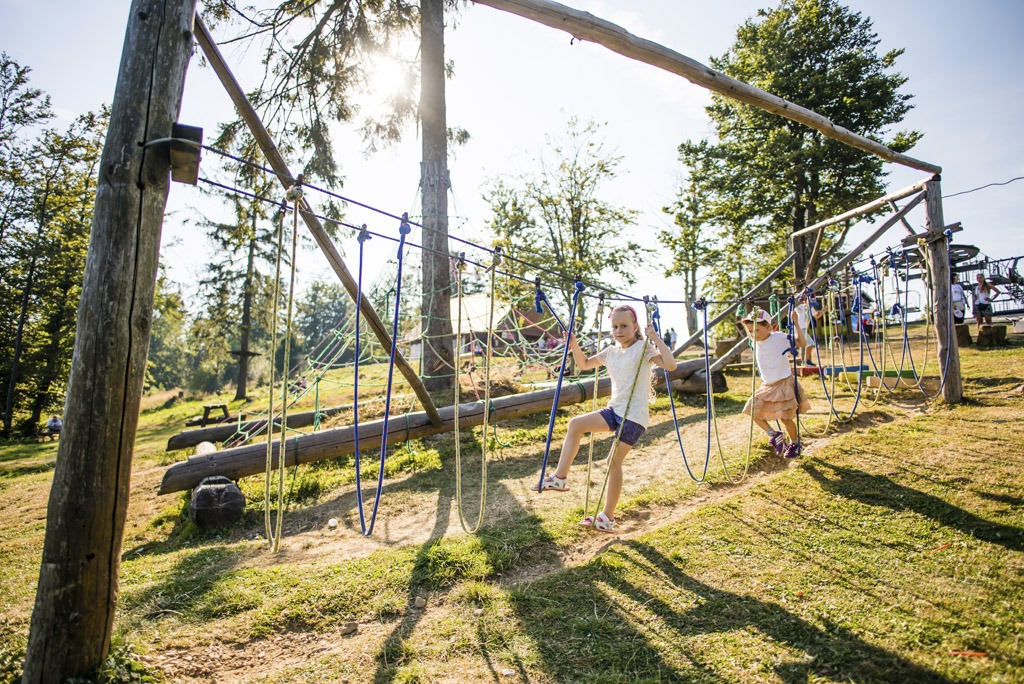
[
  {"x": 984, "y": 294},
  {"x": 807, "y": 316},
  {"x": 674, "y": 337},
  {"x": 957, "y": 300},
  {"x": 667, "y": 339},
  {"x": 53, "y": 427}
]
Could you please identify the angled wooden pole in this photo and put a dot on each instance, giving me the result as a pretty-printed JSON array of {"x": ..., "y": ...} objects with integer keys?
[
  {"x": 284, "y": 174},
  {"x": 78, "y": 578},
  {"x": 585, "y": 26},
  {"x": 873, "y": 205},
  {"x": 732, "y": 307}
]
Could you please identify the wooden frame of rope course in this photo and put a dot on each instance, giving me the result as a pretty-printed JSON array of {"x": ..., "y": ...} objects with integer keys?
[
  {"x": 79, "y": 571},
  {"x": 842, "y": 263},
  {"x": 585, "y": 26}
]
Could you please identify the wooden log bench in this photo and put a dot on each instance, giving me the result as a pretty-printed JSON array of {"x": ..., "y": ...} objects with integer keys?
[{"x": 963, "y": 335}]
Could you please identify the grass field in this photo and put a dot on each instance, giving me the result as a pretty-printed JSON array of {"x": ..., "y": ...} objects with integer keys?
[{"x": 893, "y": 551}]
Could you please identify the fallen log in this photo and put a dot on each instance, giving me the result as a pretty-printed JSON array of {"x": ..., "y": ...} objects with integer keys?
[
  {"x": 222, "y": 432},
  {"x": 251, "y": 459}
]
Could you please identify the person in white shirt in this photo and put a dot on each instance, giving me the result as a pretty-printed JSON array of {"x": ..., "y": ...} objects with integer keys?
[
  {"x": 957, "y": 299},
  {"x": 628, "y": 363},
  {"x": 808, "y": 313},
  {"x": 780, "y": 396},
  {"x": 984, "y": 294}
]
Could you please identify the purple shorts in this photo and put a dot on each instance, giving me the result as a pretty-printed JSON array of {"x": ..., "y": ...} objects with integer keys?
[{"x": 631, "y": 431}]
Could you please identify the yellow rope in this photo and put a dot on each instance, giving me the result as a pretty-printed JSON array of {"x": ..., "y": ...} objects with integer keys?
[
  {"x": 267, "y": 523},
  {"x": 486, "y": 402}
]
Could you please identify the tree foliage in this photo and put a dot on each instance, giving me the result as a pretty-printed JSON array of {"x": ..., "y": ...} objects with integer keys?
[
  {"x": 777, "y": 176},
  {"x": 554, "y": 217},
  {"x": 47, "y": 180}
]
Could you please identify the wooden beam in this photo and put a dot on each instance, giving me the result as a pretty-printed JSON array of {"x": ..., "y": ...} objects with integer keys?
[
  {"x": 251, "y": 459},
  {"x": 872, "y": 206},
  {"x": 906, "y": 223},
  {"x": 938, "y": 258},
  {"x": 76, "y": 595},
  {"x": 277, "y": 162},
  {"x": 585, "y": 26}
]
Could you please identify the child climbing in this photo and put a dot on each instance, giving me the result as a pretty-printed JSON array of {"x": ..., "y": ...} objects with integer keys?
[
  {"x": 780, "y": 396},
  {"x": 628, "y": 367}
]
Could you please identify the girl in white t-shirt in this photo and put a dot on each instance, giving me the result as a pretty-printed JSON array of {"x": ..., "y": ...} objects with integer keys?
[
  {"x": 628, "y": 367},
  {"x": 780, "y": 396}
]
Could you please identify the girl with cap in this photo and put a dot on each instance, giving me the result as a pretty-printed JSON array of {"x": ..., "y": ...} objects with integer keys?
[{"x": 780, "y": 396}]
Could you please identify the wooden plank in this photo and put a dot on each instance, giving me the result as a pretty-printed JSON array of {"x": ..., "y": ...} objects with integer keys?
[
  {"x": 219, "y": 433},
  {"x": 585, "y": 26},
  {"x": 251, "y": 459},
  {"x": 277, "y": 162},
  {"x": 78, "y": 579}
]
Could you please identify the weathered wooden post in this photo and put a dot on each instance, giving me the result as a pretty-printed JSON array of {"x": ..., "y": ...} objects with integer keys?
[
  {"x": 938, "y": 257},
  {"x": 74, "y": 610}
]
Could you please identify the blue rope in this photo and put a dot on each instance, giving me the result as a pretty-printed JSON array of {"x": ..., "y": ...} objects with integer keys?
[
  {"x": 404, "y": 229},
  {"x": 699, "y": 305},
  {"x": 538, "y": 300}
]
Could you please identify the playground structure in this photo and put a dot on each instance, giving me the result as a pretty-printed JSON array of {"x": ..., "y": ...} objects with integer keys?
[{"x": 78, "y": 576}]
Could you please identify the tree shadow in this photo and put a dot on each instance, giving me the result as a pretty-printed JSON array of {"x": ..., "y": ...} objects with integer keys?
[
  {"x": 639, "y": 617},
  {"x": 877, "y": 490}
]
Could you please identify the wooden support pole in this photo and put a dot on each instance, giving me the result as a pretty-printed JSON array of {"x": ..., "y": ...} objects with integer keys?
[
  {"x": 277, "y": 162},
  {"x": 251, "y": 459},
  {"x": 906, "y": 223},
  {"x": 585, "y": 26},
  {"x": 839, "y": 265},
  {"x": 938, "y": 261},
  {"x": 78, "y": 578}
]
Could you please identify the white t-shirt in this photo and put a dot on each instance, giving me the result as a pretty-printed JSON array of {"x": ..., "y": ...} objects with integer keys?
[
  {"x": 803, "y": 320},
  {"x": 772, "y": 362},
  {"x": 621, "y": 364},
  {"x": 956, "y": 291}
]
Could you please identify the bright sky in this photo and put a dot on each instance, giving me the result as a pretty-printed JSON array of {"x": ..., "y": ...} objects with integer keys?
[{"x": 517, "y": 82}]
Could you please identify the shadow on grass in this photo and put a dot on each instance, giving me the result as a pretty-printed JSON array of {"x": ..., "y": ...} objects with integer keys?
[
  {"x": 633, "y": 615},
  {"x": 877, "y": 490}
]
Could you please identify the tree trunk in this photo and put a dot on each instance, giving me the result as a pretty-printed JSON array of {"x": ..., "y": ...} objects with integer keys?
[
  {"x": 436, "y": 325},
  {"x": 12, "y": 380},
  {"x": 243, "y": 341},
  {"x": 78, "y": 579}
]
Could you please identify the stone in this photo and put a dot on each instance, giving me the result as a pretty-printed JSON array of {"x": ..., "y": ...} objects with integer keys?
[
  {"x": 420, "y": 602},
  {"x": 349, "y": 628},
  {"x": 332, "y": 523}
]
